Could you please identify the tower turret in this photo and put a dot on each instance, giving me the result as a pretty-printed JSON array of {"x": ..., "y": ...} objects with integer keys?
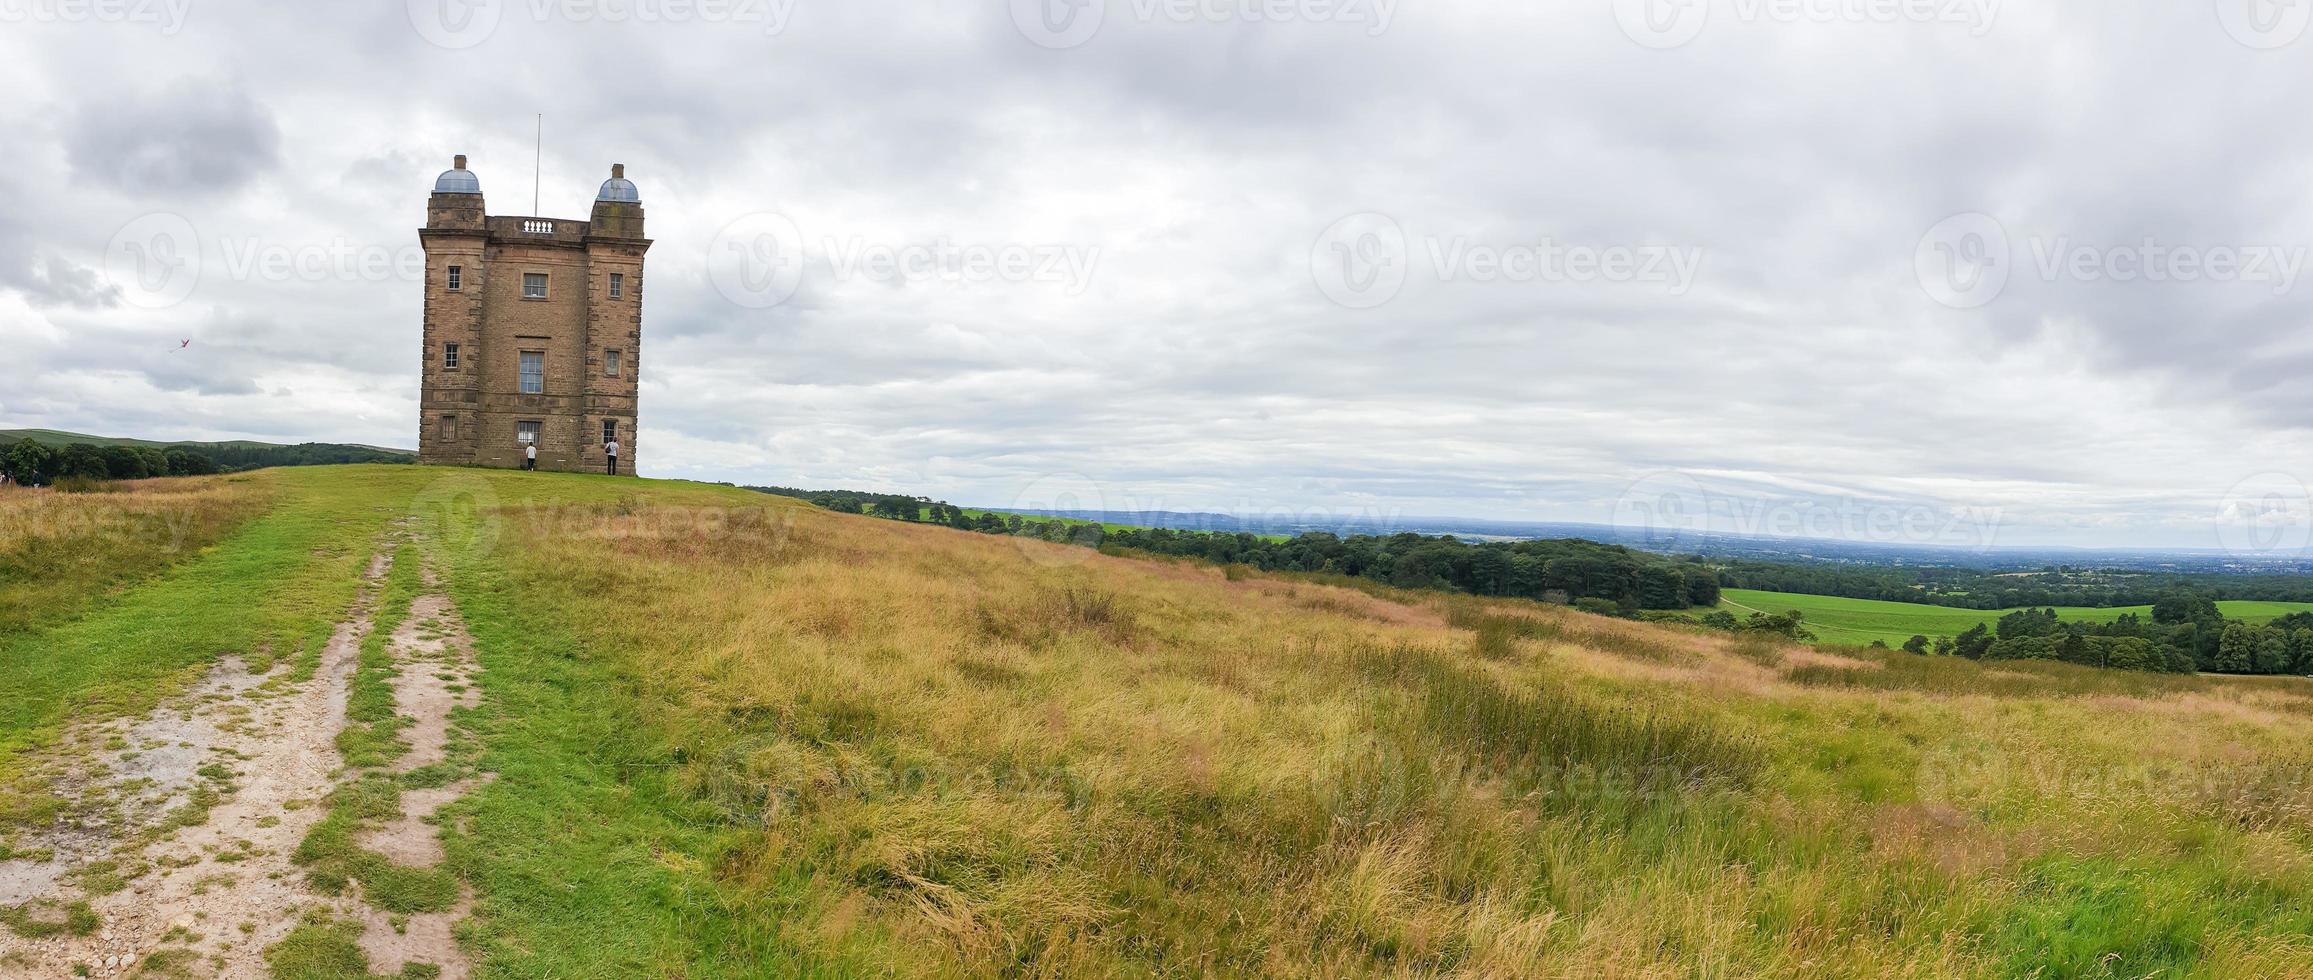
[{"x": 618, "y": 211}]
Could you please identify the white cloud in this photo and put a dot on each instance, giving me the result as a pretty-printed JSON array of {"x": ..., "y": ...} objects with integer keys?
[{"x": 1200, "y": 366}]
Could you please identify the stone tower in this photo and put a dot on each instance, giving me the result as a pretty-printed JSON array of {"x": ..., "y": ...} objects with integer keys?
[{"x": 533, "y": 329}]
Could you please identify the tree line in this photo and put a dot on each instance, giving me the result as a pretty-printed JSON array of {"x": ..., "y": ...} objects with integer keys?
[
  {"x": 2185, "y": 634},
  {"x": 1967, "y": 588},
  {"x": 1558, "y": 570},
  {"x": 34, "y": 463}
]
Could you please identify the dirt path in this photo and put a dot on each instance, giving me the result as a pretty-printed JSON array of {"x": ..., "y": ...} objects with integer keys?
[
  {"x": 435, "y": 658},
  {"x": 172, "y": 855}
]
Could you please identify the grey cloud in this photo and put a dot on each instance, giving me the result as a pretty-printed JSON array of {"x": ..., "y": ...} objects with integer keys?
[
  {"x": 195, "y": 137},
  {"x": 1202, "y": 367}
]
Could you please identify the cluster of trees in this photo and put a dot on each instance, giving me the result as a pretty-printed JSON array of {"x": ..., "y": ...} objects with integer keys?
[
  {"x": 1969, "y": 588},
  {"x": 1559, "y": 570},
  {"x": 35, "y": 463},
  {"x": 1786, "y": 624},
  {"x": 1562, "y": 571},
  {"x": 2185, "y": 634},
  {"x": 891, "y": 505}
]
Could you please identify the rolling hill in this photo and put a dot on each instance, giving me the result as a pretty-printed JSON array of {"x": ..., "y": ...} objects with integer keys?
[
  {"x": 56, "y": 437},
  {"x": 1834, "y": 619},
  {"x": 601, "y": 726}
]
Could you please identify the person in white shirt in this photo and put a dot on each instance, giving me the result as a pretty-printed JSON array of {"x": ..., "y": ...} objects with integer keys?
[
  {"x": 610, "y": 456},
  {"x": 529, "y": 455}
]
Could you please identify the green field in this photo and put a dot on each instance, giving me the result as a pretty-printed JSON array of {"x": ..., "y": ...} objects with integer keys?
[
  {"x": 1860, "y": 621},
  {"x": 708, "y": 733}
]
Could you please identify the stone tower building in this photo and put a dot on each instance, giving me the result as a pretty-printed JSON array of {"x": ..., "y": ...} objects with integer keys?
[{"x": 533, "y": 329}]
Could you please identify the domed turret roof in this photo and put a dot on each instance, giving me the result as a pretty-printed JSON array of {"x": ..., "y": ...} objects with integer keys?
[
  {"x": 458, "y": 179},
  {"x": 618, "y": 188}
]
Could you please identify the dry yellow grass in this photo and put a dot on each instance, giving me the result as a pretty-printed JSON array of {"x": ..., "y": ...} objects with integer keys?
[
  {"x": 59, "y": 552},
  {"x": 949, "y": 753}
]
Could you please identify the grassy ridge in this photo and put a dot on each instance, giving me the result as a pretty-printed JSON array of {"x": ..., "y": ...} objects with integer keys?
[
  {"x": 780, "y": 741},
  {"x": 734, "y": 737},
  {"x": 1835, "y": 619}
]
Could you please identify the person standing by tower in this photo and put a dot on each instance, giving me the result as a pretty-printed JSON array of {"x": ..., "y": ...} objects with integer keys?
[
  {"x": 529, "y": 455},
  {"x": 610, "y": 455}
]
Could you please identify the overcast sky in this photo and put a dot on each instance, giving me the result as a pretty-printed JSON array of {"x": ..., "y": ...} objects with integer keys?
[{"x": 1960, "y": 271}]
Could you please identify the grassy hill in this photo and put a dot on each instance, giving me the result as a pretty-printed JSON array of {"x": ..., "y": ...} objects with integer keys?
[
  {"x": 55, "y": 437},
  {"x": 731, "y": 735},
  {"x": 1859, "y": 621}
]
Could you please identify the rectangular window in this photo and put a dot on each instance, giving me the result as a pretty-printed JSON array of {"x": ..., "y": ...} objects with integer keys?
[
  {"x": 617, "y": 285},
  {"x": 534, "y": 285},
  {"x": 449, "y": 357},
  {"x": 533, "y": 372},
  {"x": 457, "y": 278},
  {"x": 526, "y": 433},
  {"x": 609, "y": 430},
  {"x": 449, "y": 428},
  {"x": 610, "y": 365}
]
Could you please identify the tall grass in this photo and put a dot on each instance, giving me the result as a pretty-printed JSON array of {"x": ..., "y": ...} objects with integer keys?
[
  {"x": 895, "y": 748},
  {"x": 61, "y": 552},
  {"x": 735, "y": 737}
]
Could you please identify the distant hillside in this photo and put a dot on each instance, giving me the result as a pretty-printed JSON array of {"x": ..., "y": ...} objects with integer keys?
[
  {"x": 55, "y": 437},
  {"x": 53, "y": 455}
]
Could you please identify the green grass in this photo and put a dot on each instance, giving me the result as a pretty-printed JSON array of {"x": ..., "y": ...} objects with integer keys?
[
  {"x": 734, "y": 737},
  {"x": 1857, "y": 622},
  {"x": 271, "y": 590}
]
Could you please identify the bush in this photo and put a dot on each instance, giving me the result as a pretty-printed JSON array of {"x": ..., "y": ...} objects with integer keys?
[
  {"x": 1599, "y": 607},
  {"x": 85, "y": 484}
]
